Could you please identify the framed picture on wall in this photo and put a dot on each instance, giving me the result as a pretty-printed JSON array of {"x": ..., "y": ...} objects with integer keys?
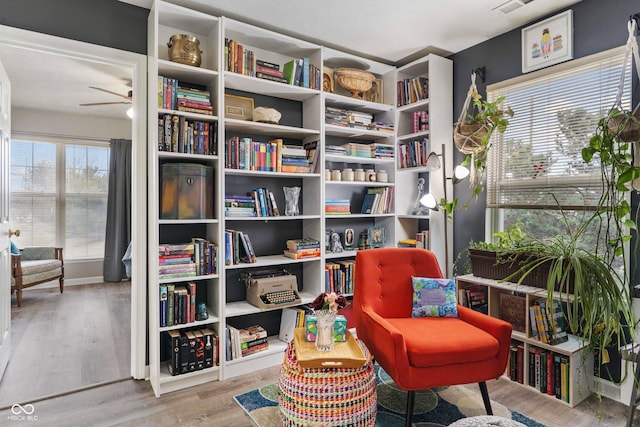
[{"x": 547, "y": 42}]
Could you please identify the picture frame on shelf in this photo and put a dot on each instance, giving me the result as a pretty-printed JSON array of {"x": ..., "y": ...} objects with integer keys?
[
  {"x": 375, "y": 93},
  {"x": 377, "y": 237},
  {"x": 238, "y": 107},
  {"x": 349, "y": 239},
  {"x": 547, "y": 42}
]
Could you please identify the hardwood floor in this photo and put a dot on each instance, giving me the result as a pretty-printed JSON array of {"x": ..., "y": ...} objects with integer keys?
[
  {"x": 129, "y": 402},
  {"x": 61, "y": 342}
]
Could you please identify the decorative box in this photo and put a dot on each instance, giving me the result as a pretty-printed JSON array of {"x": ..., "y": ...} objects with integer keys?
[
  {"x": 339, "y": 328},
  {"x": 187, "y": 191}
]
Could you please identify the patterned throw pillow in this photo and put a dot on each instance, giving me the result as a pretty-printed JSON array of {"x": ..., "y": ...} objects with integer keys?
[{"x": 434, "y": 297}]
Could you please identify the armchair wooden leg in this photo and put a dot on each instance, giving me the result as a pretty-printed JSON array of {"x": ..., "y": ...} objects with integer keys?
[
  {"x": 61, "y": 280},
  {"x": 485, "y": 397},
  {"x": 411, "y": 398},
  {"x": 19, "y": 296}
]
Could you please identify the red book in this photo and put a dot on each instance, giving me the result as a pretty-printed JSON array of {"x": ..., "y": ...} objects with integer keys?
[{"x": 550, "y": 385}]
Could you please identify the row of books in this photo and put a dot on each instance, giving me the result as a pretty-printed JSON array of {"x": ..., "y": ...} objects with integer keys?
[
  {"x": 412, "y": 90},
  {"x": 181, "y": 96},
  {"x": 421, "y": 241},
  {"x": 548, "y": 324},
  {"x": 337, "y": 207},
  {"x": 378, "y": 200},
  {"x": 419, "y": 121},
  {"x": 474, "y": 297},
  {"x": 243, "y": 342},
  {"x": 302, "y": 248},
  {"x": 198, "y": 258},
  {"x": 547, "y": 372},
  {"x": 258, "y": 202},
  {"x": 177, "y": 304},
  {"x": 238, "y": 248},
  {"x": 354, "y": 119},
  {"x": 271, "y": 156},
  {"x": 192, "y": 350},
  {"x": 413, "y": 154},
  {"x": 291, "y": 318},
  {"x": 177, "y": 134},
  {"x": 299, "y": 72},
  {"x": 338, "y": 276}
]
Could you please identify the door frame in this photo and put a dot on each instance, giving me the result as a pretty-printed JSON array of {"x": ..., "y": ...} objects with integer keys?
[{"x": 45, "y": 43}]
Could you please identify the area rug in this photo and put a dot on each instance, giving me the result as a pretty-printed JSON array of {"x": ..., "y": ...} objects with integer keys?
[{"x": 433, "y": 408}]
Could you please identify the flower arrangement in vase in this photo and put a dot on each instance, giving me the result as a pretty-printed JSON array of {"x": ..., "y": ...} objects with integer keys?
[{"x": 325, "y": 307}]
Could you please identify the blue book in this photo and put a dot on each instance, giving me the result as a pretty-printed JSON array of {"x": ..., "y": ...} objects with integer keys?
[{"x": 305, "y": 72}]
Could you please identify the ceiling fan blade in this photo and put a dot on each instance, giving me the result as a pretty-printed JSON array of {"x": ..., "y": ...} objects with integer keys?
[
  {"x": 103, "y": 103},
  {"x": 111, "y": 92}
]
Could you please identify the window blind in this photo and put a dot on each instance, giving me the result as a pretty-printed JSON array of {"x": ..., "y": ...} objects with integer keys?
[{"x": 537, "y": 162}]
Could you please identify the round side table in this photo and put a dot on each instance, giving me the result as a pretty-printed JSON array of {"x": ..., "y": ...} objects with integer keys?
[{"x": 326, "y": 396}]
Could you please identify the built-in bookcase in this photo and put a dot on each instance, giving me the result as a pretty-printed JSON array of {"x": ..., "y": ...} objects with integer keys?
[{"x": 303, "y": 121}]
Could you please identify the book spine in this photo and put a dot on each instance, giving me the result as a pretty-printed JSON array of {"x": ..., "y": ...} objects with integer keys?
[{"x": 163, "y": 306}]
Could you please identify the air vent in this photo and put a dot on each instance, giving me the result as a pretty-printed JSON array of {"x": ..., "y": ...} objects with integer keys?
[{"x": 511, "y": 5}]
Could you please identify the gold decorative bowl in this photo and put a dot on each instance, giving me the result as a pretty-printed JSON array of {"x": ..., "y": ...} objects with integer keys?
[{"x": 354, "y": 80}]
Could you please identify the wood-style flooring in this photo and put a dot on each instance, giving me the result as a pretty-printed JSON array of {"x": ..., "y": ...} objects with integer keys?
[
  {"x": 132, "y": 403},
  {"x": 61, "y": 342}
]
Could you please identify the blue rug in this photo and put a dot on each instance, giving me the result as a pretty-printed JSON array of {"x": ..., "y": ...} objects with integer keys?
[{"x": 433, "y": 408}]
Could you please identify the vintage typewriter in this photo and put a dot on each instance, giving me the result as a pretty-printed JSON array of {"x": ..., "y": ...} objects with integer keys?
[{"x": 271, "y": 288}]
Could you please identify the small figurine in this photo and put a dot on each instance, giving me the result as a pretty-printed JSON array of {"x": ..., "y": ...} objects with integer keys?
[{"x": 336, "y": 245}]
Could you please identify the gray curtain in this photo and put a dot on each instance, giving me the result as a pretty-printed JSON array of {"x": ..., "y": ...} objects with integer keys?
[{"x": 118, "y": 230}]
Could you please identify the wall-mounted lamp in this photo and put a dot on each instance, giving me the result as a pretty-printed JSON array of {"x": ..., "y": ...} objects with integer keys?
[{"x": 130, "y": 113}]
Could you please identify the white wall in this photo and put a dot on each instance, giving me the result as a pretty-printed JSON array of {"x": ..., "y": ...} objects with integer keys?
[{"x": 53, "y": 123}]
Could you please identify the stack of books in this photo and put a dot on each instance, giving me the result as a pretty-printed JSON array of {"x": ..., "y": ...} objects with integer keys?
[
  {"x": 347, "y": 118},
  {"x": 177, "y": 134},
  {"x": 357, "y": 150},
  {"x": 338, "y": 150},
  {"x": 339, "y": 276},
  {"x": 176, "y": 260},
  {"x": 264, "y": 201},
  {"x": 381, "y": 151},
  {"x": 180, "y": 96},
  {"x": 269, "y": 71},
  {"x": 239, "y": 206},
  {"x": 337, "y": 207},
  {"x": 243, "y": 342},
  {"x": 302, "y": 248},
  {"x": 294, "y": 159}
]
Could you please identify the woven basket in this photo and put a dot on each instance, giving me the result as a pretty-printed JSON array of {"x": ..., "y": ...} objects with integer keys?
[
  {"x": 625, "y": 126},
  {"x": 354, "y": 80},
  {"x": 469, "y": 136}
]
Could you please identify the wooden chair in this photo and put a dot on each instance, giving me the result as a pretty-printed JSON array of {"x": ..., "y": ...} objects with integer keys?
[
  {"x": 34, "y": 266},
  {"x": 422, "y": 352}
]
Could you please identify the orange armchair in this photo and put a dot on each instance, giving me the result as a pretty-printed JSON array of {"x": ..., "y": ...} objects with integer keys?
[{"x": 425, "y": 352}]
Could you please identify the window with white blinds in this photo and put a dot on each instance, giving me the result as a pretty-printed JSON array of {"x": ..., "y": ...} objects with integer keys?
[{"x": 537, "y": 162}]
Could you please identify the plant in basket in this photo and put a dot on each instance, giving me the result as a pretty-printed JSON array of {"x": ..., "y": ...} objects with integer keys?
[{"x": 472, "y": 134}]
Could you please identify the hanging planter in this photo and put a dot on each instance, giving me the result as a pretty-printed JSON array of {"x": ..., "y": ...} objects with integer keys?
[
  {"x": 625, "y": 126},
  {"x": 472, "y": 132}
]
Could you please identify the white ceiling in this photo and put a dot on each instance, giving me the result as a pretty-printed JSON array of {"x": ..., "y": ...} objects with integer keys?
[{"x": 394, "y": 32}]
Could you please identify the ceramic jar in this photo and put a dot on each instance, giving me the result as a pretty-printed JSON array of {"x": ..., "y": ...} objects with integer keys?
[
  {"x": 335, "y": 175},
  {"x": 327, "y": 174},
  {"x": 358, "y": 175},
  {"x": 382, "y": 176},
  {"x": 370, "y": 175},
  {"x": 347, "y": 174}
]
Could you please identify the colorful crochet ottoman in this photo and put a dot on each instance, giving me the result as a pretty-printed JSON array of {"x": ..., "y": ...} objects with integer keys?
[{"x": 326, "y": 396}]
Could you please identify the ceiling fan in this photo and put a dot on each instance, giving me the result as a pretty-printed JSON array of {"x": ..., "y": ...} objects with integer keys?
[{"x": 128, "y": 98}]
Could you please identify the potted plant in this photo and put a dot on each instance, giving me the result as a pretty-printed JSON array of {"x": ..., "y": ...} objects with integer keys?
[{"x": 472, "y": 134}]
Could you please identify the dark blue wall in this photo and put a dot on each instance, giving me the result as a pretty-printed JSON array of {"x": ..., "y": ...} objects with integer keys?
[
  {"x": 598, "y": 26},
  {"x": 108, "y": 23}
]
